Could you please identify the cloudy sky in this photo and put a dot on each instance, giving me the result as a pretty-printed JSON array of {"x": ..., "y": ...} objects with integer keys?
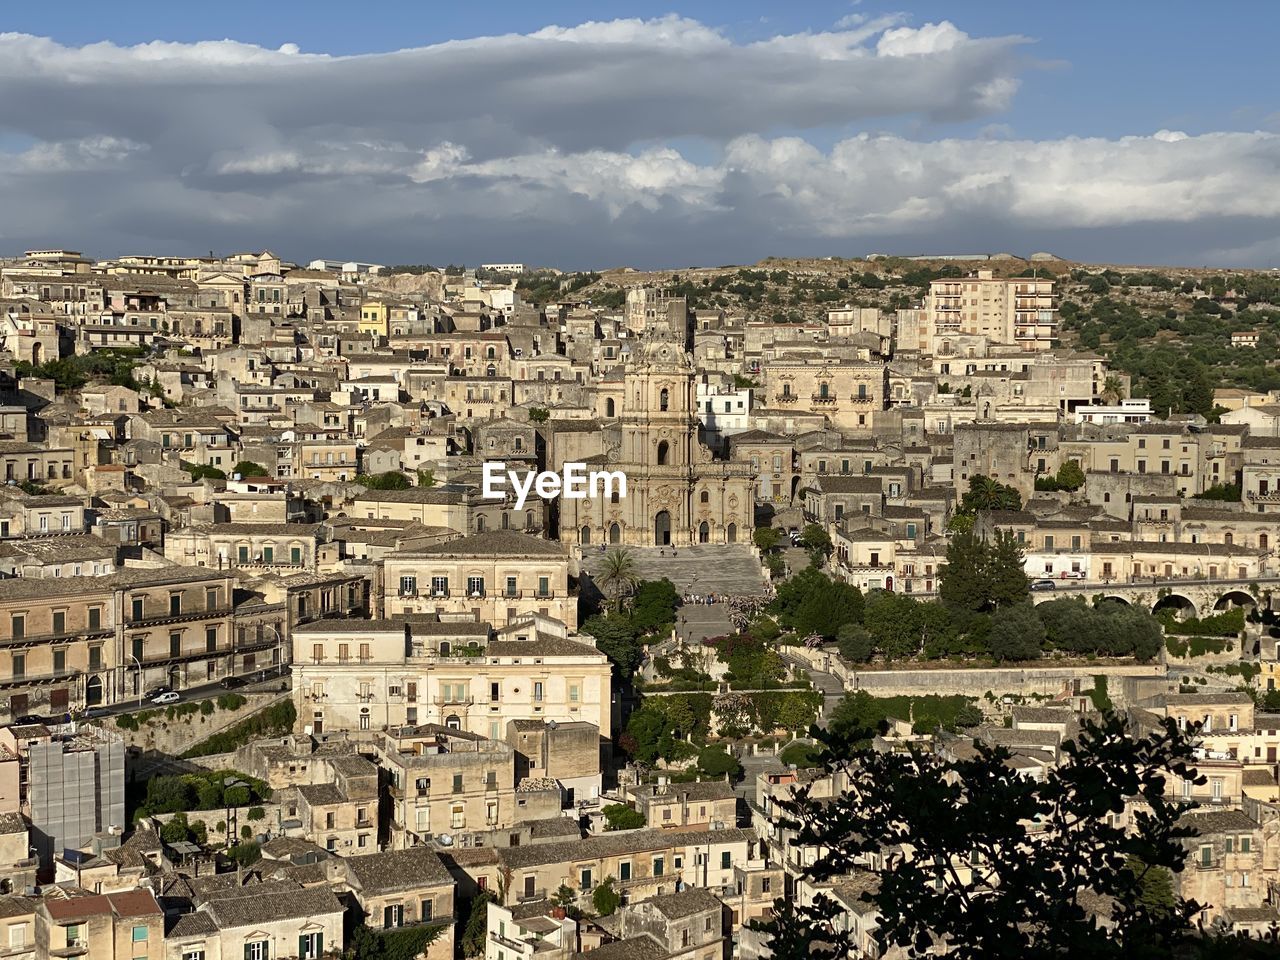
[{"x": 594, "y": 135}]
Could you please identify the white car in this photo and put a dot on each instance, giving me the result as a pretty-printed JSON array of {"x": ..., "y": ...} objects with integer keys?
[{"x": 163, "y": 698}]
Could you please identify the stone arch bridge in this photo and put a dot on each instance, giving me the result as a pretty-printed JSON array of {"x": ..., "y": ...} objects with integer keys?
[{"x": 1186, "y": 598}]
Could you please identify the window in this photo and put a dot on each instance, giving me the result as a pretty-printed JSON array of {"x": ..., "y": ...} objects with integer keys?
[
  {"x": 408, "y": 586},
  {"x": 75, "y": 935},
  {"x": 59, "y": 622},
  {"x": 544, "y": 586},
  {"x": 426, "y": 910},
  {"x": 139, "y": 934},
  {"x": 310, "y": 945},
  {"x": 537, "y": 692},
  {"x": 624, "y": 871},
  {"x": 457, "y": 783},
  {"x": 440, "y": 586},
  {"x": 175, "y": 644},
  {"x": 584, "y": 879},
  {"x": 475, "y": 586},
  {"x": 193, "y": 953},
  {"x": 658, "y": 865},
  {"x": 175, "y": 604},
  {"x": 725, "y": 860},
  {"x": 19, "y": 624}
]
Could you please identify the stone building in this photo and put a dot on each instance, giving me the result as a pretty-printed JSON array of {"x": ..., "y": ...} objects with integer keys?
[{"x": 677, "y": 494}]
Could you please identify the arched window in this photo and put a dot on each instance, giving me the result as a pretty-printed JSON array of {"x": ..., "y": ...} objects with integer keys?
[
  {"x": 608, "y": 407},
  {"x": 615, "y": 533},
  {"x": 704, "y": 532},
  {"x": 1262, "y": 541},
  {"x": 480, "y": 524},
  {"x": 704, "y": 497},
  {"x": 731, "y": 533},
  {"x": 664, "y": 399},
  {"x": 584, "y": 535},
  {"x": 664, "y": 449},
  {"x": 453, "y": 723},
  {"x": 445, "y": 647},
  {"x": 489, "y": 354}
]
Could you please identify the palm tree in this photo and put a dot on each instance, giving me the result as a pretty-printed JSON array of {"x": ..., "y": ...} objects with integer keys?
[
  {"x": 617, "y": 577},
  {"x": 1112, "y": 389}
]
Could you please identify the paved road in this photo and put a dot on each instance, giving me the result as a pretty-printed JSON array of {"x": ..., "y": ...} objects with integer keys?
[{"x": 256, "y": 681}]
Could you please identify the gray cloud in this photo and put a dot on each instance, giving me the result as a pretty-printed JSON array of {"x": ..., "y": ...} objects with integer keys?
[{"x": 556, "y": 147}]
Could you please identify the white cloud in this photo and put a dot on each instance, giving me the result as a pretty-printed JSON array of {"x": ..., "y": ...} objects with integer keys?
[{"x": 568, "y": 141}]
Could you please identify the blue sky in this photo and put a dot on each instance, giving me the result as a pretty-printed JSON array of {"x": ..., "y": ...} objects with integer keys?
[{"x": 984, "y": 126}]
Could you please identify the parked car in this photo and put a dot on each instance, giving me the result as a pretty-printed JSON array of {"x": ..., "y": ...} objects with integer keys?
[
  {"x": 167, "y": 697},
  {"x": 27, "y": 718},
  {"x": 1044, "y": 585},
  {"x": 230, "y": 683},
  {"x": 157, "y": 690}
]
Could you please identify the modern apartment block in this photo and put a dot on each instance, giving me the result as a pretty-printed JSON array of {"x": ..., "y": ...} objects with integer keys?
[{"x": 1018, "y": 311}]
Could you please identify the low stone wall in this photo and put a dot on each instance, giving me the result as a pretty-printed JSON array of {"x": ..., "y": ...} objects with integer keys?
[
  {"x": 181, "y": 733},
  {"x": 1001, "y": 680},
  {"x": 215, "y": 821}
]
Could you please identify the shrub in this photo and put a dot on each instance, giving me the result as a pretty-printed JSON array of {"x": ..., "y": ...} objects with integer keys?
[
  {"x": 277, "y": 719},
  {"x": 619, "y": 816},
  {"x": 716, "y": 762},
  {"x": 257, "y": 813},
  {"x": 206, "y": 708}
]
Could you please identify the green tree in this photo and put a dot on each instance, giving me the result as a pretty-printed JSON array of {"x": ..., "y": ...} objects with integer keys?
[
  {"x": 391, "y": 480},
  {"x": 855, "y": 643},
  {"x": 605, "y": 899},
  {"x": 616, "y": 638},
  {"x": 539, "y": 415},
  {"x": 986, "y": 493},
  {"x": 1005, "y": 571},
  {"x": 617, "y": 576},
  {"x": 426, "y": 478},
  {"x": 1112, "y": 389},
  {"x": 1040, "y": 852},
  {"x": 962, "y": 579},
  {"x": 476, "y": 932},
  {"x": 1070, "y": 476},
  {"x": 716, "y": 762},
  {"x": 816, "y": 540},
  {"x": 247, "y": 468},
  {"x": 619, "y": 816},
  {"x": 766, "y": 538},
  {"x": 1016, "y": 633}
]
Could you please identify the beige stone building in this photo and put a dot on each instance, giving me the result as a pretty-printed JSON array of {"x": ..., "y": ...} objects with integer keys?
[
  {"x": 382, "y": 674},
  {"x": 498, "y": 577},
  {"x": 850, "y": 394},
  {"x": 676, "y": 493}
]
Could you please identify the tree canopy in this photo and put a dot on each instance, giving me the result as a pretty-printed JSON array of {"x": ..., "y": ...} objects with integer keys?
[{"x": 977, "y": 861}]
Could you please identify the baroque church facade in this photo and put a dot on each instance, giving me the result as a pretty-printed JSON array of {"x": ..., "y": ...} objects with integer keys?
[{"x": 677, "y": 493}]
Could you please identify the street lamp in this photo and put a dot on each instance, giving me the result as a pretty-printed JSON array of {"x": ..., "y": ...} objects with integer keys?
[{"x": 139, "y": 663}]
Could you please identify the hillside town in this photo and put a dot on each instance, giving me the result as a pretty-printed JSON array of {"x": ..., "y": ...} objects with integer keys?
[{"x": 282, "y": 677}]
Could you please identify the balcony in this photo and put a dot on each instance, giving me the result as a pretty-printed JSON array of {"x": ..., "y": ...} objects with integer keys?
[
  {"x": 453, "y": 701},
  {"x": 507, "y": 942},
  {"x": 180, "y": 617},
  {"x": 823, "y": 399},
  {"x": 41, "y": 639},
  {"x": 35, "y": 679},
  {"x": 785, "y": 398}
]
